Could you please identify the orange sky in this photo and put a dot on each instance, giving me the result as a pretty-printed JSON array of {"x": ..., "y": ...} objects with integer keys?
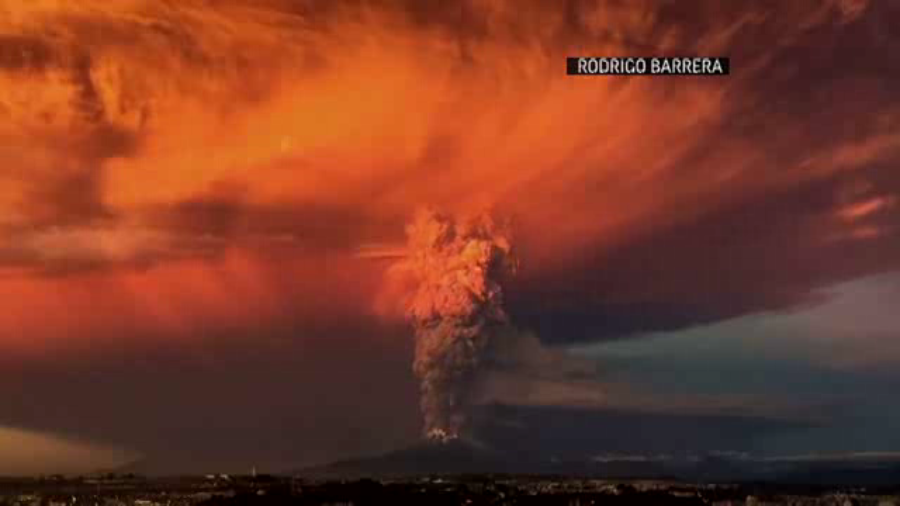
[{"x": 123, "y": 118}]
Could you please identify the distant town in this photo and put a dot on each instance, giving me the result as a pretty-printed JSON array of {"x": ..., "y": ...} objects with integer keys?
[{"x": 268, "y": 490}]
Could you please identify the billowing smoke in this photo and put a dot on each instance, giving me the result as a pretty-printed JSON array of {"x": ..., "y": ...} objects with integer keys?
[{"x": 456, "y": 310}]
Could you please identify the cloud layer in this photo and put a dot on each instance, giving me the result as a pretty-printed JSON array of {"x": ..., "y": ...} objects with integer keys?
[{"x": 146, "y": 133}]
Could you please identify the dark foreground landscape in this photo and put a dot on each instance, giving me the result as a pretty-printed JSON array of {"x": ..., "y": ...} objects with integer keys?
[
  {"x": 460, "y": 472},
  {"x": 264, "y": 490}
]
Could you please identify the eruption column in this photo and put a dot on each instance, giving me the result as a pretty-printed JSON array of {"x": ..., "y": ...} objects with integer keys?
[{"x": 455, "y": 309}]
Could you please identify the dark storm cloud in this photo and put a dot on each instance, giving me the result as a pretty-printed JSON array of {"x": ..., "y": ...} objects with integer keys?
[
  {"x": 769, "y": 254},
  {"x": 824, "y": 101}
]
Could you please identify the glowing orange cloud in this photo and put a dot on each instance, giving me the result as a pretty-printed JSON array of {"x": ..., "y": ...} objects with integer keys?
[{"x": 154, "y": 152}]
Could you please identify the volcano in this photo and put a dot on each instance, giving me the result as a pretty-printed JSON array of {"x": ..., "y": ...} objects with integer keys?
[
  {"x": 458, "y": 457},
  {"x": 565, "y": 441},
  {"x": 432, "y": 457}
]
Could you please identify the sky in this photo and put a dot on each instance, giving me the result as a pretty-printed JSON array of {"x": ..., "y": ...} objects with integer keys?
[{"x": 185, "y": 187}]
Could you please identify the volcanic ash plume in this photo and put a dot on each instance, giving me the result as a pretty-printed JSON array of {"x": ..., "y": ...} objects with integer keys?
[{"x": 456, "y": 308}]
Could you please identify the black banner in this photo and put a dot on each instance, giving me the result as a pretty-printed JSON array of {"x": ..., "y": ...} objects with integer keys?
[{"x": 658, "y": 66}]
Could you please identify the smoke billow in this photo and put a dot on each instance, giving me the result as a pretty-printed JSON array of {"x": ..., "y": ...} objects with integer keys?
[{"x": 456, "y": 309}]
